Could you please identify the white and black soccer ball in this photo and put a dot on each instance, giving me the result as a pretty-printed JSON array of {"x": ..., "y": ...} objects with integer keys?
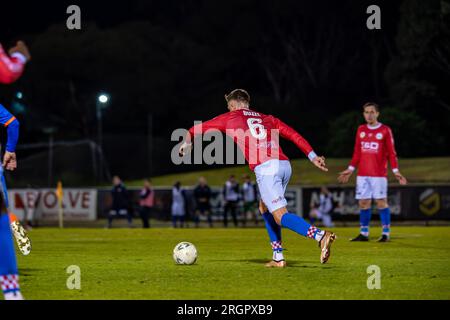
[{"x": 185, "y": 253}]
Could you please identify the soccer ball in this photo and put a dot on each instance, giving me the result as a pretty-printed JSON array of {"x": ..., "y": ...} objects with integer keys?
[{"x": 185, "y": 253}]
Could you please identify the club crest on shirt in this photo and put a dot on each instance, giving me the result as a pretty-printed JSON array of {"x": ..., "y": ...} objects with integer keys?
[
  {"x": 362, "y": 134},
  {"x": 379, "y": 136}
]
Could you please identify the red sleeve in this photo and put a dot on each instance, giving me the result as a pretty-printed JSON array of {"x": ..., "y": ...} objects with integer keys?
[
  {"x": 356, "y": 151},
  {"x": 390, "y": 148},
  {"x": 11, "y": 68},
  {"x": 290, "y": 134},
  {"x": 217, "y": 123}
]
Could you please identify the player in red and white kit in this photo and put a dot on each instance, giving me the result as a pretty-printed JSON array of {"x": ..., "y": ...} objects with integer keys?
[
  {"x": 11, "y": 67},
  {"x": 257, "y": 134},
  {"x": 374, "y": 147}
]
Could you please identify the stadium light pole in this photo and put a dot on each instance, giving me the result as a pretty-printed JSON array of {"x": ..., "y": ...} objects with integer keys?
[
  {"x": 102, "y": 100},
  {"x": 50, "y": 131},
  {"x": 149, "y": 142}
]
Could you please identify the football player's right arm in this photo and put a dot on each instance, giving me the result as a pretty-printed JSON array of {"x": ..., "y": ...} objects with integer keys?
[
  {"x": 12, "y": 129},
  {"x": 356, "y": 153},
  {"x": 344, "y": 176},
  {"x": 11, "y": 67},
  {"x": 217, "y": 123}
]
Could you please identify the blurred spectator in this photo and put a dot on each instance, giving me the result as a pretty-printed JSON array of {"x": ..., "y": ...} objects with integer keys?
[
  {"x": 146, "y": 202},
  {"x": 120, "y": 202},
  {"x": 323, "y": 209},
  {"x": 250, "y": 199},
  {"x": 202, "y": 195},
  {"x": 231, "y": 199},
  {"x": 178, "y": 205},
  {"x": 29, "y": 207}
]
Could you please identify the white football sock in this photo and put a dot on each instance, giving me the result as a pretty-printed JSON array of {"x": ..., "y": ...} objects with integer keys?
[
  {"x": 278, "y": 256},
  {"x": 15, "y": 295}
]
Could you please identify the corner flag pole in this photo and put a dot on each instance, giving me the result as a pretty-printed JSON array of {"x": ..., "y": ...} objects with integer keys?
[{"x": 59, "y": 195}]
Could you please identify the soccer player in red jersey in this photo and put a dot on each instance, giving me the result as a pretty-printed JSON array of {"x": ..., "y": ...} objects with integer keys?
[
  {"x": 256, "y": 134},
  {"x": 374, "y": 146},
  {"x": 11, "y": 67}
]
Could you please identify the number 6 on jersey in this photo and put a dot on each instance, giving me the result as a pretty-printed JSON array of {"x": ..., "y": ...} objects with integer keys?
[{"x": 256, "y": 128}]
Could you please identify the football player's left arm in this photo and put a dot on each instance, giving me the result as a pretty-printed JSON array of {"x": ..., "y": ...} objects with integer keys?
[
  {"x": 344, "y": 176},
  {"x": 12, "y": 128},
  {"x": 392, "y": 155},
  {"x": 289, "y": 133}
]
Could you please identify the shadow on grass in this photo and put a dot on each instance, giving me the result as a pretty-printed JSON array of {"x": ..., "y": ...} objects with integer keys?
[
  {"x": 395, "y": 243},
  {"x": 405, "y": 245},
  {"x": 25, "y": 272},
  {"x": 290, "y": 263}
]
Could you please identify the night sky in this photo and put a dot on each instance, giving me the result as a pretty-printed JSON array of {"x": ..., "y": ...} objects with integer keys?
[{"x": 312, "y": 63}]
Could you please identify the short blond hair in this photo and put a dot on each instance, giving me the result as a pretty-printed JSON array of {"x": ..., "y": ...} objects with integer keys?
[{"x": 239, "y": 95}]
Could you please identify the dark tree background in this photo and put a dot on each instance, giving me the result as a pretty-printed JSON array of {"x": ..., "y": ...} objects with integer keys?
[{"x": 312, "y": 63}]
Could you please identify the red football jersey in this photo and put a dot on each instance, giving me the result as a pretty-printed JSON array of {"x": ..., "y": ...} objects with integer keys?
[
  {"x": 255, "y": 133},
  {"x": 11, "y": 67},
  {"x": 373, "y": 147}
]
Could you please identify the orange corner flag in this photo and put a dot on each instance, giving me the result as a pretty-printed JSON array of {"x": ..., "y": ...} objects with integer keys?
[
  {"x": 59, "y": 191},
  {"x": 12, "y": 217}
]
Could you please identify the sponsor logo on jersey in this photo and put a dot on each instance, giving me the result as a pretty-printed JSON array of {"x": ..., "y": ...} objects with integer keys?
[
  {"x": 379, "y": 136},
  {"x": 370, "y": 146},
  {"x": 362, "y": 134}
]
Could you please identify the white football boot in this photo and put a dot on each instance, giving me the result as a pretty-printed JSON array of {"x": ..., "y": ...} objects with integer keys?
[
  {"x": 21, "y": 236},
  {"x": 325, "y": 246}
]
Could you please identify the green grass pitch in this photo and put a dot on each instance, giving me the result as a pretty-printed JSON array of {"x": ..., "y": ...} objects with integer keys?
[
  {"x": 417, "y": 170},
  {"x": 137, "y": 264}
]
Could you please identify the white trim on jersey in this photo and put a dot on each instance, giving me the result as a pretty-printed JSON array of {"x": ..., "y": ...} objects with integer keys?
[
  {"x": 375, "y": 126},
  {"x": 312, "y": 155},
  {"x": 20, "y": 57}
]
